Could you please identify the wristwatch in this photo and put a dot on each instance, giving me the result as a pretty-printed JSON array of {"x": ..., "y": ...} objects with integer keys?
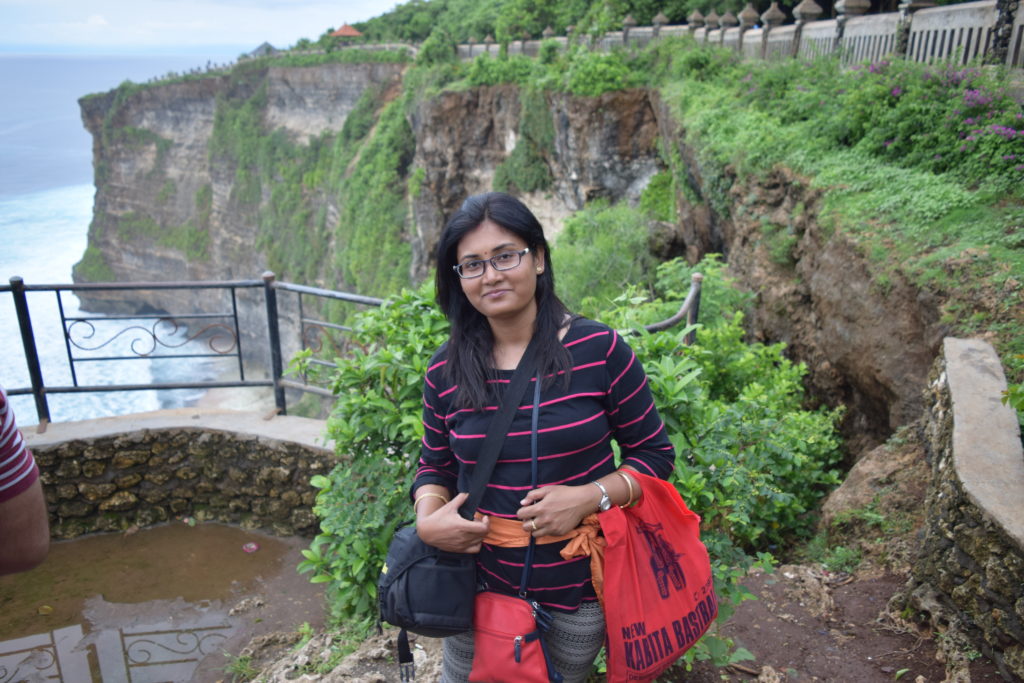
[{"x": 605, "y": 503}]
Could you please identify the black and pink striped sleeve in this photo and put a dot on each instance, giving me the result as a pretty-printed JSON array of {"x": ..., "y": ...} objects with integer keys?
[
  {"x": 437, "y": 464},
  {"x": 18, "y": 470},
  {"x": 643, "y": 440}
]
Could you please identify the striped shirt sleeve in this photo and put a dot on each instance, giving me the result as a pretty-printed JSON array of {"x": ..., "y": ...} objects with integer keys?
[
  {"x": 18, "y": 470},
  {"x": 437, "y": 464}
]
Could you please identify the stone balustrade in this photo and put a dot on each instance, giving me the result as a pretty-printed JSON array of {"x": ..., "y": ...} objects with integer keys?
[
  {"x": 116, "y": 473},
  {"x": 970, "y": 574}
]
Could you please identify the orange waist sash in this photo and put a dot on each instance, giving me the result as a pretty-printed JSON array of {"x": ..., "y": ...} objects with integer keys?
[{"x": 584, "y": 540}]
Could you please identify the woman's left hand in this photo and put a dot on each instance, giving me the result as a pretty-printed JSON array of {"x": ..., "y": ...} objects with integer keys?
[{"x": 557, "y": 510}]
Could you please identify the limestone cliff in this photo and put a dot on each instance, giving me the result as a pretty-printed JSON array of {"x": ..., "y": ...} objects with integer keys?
[{"x": 181, "y": 195}]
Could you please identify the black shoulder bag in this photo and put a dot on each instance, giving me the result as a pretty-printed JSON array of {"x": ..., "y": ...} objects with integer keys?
[{"x": 430, "y": 591}]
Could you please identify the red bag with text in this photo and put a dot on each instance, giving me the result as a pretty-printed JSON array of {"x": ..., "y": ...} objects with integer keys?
[{"x": 659, "y": 597}]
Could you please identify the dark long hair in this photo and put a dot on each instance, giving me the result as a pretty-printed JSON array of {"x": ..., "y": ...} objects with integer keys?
[{"x": 471, "y": 343}]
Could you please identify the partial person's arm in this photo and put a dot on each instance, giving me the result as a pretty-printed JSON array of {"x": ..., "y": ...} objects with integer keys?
[
  {"x": 24, "y": 527},
  {"x": 24, "y": 530}
]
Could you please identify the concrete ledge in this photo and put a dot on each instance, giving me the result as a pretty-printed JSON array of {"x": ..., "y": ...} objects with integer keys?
[
  {"x": 970, "y": 571},
  {"x": 299, "y": 430},
  {"x": 987, "y": 449},
  {"x": 236, "y": 467}
]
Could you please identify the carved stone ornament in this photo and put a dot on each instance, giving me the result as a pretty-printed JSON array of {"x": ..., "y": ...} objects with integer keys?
[
  {"x": 711, "y": 20},
  {"x": 696, "y": 19},
  {"x": 728, "y": 20},
  {"x": 548, "y": 32},
  {"x": 853, "y": 8},
  {"x": 749, "y": 17},
  {"x": 660, "y": 19},
  {"x": 773, "y": 16},
  {"x": 629, "y": 21},
  {"x": 807, "y": 10}
]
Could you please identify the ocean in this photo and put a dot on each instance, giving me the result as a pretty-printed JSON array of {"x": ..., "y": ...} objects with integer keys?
[{"x": 46, "y": 197}]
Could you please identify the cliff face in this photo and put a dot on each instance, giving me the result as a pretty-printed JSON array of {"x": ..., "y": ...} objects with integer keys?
[
  {"x": 601, "y": 147},
  {"x": 176, "y": 200},
  {"x": 165, "y": 205}
]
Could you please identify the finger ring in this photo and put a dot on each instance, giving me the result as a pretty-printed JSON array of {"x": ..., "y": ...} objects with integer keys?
[{"x": 533, "y": 523}]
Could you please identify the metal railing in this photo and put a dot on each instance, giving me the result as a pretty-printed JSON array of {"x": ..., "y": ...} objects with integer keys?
[
  {"x": 164, "y": 335},
  {"x": 218, "y": 333}
]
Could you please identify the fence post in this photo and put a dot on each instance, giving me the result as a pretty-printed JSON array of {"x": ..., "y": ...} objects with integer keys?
[
  {"x": 1002, "y": 32},
  {"x": 28, "y": 341},
  {"x": 693, "y": 314},
  {"x": 772, "y": 17},
  {"x": 805, "y": 12},
  {"x": 274, "y": 333}
]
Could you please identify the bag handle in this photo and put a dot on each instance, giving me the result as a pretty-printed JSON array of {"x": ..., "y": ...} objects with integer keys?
[{"x": 498, "y": 429}]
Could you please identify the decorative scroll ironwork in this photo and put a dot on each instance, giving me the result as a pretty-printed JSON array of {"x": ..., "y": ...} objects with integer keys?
[
  {"x": 220, "y": 338},
  {"x": 41, "y": 661},
  {"x": 313, "y": 336},
  {"x": 193, "y": 644}
]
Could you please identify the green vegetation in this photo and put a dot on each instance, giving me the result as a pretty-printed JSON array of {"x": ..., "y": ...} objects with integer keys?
[
  {"x": 93, "y": 267},
  {"x": 752, "y": 460},
  {"x": 525, "y": 169},
  {"x": 920, "y": 165},
  {"x": 614, "y": 237}
]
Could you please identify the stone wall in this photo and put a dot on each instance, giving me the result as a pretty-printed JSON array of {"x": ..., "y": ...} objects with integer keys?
[
  {"x": 970, "y": 577},
  {"x": 113, "y": 474}
]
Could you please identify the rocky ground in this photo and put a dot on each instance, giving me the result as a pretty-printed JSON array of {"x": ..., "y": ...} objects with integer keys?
[{"x": 809, "y": 623}]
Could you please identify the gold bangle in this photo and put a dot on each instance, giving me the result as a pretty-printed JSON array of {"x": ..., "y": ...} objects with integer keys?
[
  {"x": 429, "y": 494},
  {"x": 629, "y": 485}
]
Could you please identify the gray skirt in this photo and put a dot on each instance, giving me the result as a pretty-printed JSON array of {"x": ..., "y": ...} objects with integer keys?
[{"x": 573, "y": 641}]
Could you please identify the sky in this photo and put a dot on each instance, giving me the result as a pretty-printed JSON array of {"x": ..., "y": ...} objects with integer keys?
[{"x": 171, "y": 26}]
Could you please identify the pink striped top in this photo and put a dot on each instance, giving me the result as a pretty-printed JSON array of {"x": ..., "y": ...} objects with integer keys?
[
  {"x": 18, "y": 468},
  {"x": 607, "y": 402}
]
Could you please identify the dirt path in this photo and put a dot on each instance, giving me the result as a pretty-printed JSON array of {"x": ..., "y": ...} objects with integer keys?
[{"x": 808, "y": 625}]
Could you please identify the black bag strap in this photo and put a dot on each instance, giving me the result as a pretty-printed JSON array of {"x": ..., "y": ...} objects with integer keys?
[
  {"x": 498, "y": 429},
  {"x": 534, "y": 475}
]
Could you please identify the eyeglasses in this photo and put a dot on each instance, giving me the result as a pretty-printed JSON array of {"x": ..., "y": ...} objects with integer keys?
[{"x": 504, "y": 261}]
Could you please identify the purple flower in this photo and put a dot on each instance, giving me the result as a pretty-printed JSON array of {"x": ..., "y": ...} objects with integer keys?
[
  {"x": 963, "y": 148},
  {"x": 888, "y": 142},
  {"x": 937, "y": 156},
  {"x": 1009, "y": 157},
  {"x": 896, "y": 92},
  {"x": 969, "y": 122},
  {"x": 1019, "y": 167},
  {"x": 977, "y": 98}
]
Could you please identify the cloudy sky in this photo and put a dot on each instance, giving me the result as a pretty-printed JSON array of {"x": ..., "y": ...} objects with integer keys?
[{"x": 154, "y": 26}]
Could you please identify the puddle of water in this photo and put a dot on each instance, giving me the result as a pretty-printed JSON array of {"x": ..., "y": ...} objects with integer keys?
[{"x": 162, "y": 604}]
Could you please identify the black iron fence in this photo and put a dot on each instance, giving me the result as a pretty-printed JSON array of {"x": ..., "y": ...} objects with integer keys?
[{"x": 217, "y": 333}]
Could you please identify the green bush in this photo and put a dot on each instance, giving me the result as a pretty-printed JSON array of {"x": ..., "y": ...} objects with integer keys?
[
  {"x": 487, "y": 70},
  {"x": 593, "y": 73},
  {"x": 602, "y": 250},
  {"x": 377, "y": 428},
  {"x": 751, "y": 461},
  {"x": 526, "y": 168}
]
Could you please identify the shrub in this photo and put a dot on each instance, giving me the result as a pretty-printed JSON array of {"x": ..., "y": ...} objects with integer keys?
[
  {"x": 751, "y": 461},
  {"x": 601, "y": 251}
]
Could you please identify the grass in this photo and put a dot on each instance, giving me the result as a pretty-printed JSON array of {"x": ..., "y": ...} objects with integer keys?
[{"x": 946, "y": 213}]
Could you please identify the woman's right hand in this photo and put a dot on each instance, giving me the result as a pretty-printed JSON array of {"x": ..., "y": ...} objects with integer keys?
[{"x": 445, "y": 529}]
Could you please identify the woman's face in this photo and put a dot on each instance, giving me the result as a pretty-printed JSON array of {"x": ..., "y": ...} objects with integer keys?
[{"x": 500, "y": 294}]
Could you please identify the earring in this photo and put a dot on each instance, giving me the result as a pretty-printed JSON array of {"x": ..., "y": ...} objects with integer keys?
[{"x": 539, "y": 271}]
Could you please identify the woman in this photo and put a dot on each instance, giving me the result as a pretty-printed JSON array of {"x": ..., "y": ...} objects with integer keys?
[{"x": 495, "y": 283}]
